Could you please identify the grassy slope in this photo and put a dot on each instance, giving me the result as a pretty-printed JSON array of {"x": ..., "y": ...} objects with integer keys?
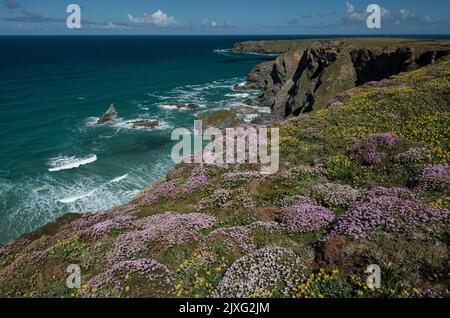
[{"x": 414, "y": 106}]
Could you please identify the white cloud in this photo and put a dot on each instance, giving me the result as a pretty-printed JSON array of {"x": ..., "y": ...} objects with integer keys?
[
  {"x": 385, "y": 13},
  {"x": 157, "y": 19},
  {"x": 215, "y": 25},
  {"x": 113, "y": 26},
  {"x": 405, "y": 14},
  {"x": 353, "y": 14}
]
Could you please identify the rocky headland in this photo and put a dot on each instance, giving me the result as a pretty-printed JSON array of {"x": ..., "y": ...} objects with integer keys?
[{"x": 307, "y": 74}]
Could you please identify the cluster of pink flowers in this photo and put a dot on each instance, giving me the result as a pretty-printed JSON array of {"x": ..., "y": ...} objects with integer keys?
[
  {"x": 195, "y": 182},
  {"x": 270, "y": 227},
  {"x": 296, "y": 200},
  {"x": 391, "y": 214},
  {"x": 335, "y": 194},
  {"x": 242, "y": 175},
  {"x": 161, "y": 191},
  {"x": 17, "y": 265},
  {"x": 98, "y": 224},
  {"x": 305, "y": 217},
  {"x": 216, "y": 200},
  {"x": 393, "y": 192},
  {"x": 241, "y": 200},
  {"x": 410, "y": 156},
  {"x": 168, "y": 229},
  {"x": 86, "y": 221},
  {"x": 239, "y": 236},
  {"x": 372, "y": 149},
  {"x": 150, "y": 269},
  {"x": 117, "y": 223},
  {"x": 267, "y": 272},
  {"x": 433, "y": 177}
]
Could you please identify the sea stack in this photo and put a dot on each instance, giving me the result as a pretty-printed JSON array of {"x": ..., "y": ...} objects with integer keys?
[{"x": 110, "y": 115}]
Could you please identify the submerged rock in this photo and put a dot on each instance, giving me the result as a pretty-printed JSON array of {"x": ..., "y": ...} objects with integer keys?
[
  {"x": 193, "y": 106},
  {"x": 43, "y": 189},
  {"x": 110, "y": 115},
  {"x": 145, "y": 123},
  {"x": 185, "y": 106}
]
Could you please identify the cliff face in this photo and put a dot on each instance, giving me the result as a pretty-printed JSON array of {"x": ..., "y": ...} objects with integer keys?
[{"x": 311, "y": 73}]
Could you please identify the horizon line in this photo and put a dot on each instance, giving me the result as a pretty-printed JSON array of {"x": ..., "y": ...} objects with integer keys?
[{"x": 244, "y": 34}]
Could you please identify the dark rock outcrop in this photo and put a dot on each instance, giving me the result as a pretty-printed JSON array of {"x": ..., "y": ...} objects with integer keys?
[
  {"x": 110, "y": 115},
  {"x": 145, "y": 123},
  {"x": 223, "y": 118},
  {"x": 190, "y": 106},
  {"x": 309, "y": 73}
]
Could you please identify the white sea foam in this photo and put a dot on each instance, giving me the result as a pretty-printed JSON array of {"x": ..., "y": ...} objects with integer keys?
[
  {"x": 49, "y": 195},
  {"x": 118, "y": 179},
  {"x": 222, "y": 50},
  {"x": 92, "y": 121},
  {"x": 128, "y": 124},
  {"x": 105, "y": 136},
  {"x": 169, "y": 107},
  {"x": 260, "y": 109},
  {"x": 174, "y": 107},
  {"x": 65, "y": 163},
  {"x": 158, "y": 96},
  {"x": 76, "y": 198},
  {"x": 239, "y": 95},
  {"x": 242, "y": 84}
]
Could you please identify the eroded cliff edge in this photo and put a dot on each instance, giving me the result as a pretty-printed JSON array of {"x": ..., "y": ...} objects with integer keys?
[{"x": 310, "y": 74}]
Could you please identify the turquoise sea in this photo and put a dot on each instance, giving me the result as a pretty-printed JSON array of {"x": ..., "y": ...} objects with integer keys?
[{"x": 54, "y": 158}]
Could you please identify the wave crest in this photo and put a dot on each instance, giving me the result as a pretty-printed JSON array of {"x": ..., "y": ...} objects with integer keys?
[{"x": 66, "y": 163}]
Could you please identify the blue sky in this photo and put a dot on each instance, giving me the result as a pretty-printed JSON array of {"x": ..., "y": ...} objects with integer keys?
[{"x": 224, "y": 17}]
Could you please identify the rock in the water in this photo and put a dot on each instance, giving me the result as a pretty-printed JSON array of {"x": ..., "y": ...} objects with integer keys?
[
  {"x": 186, "y": 106},
  {"x": 145, "y": 123},
  {"x": 110, "y": 115},
  {"x": 193, "y": 106},
  {"x": 43, "y": 189}
]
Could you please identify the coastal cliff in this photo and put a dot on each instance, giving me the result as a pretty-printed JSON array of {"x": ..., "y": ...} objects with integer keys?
[
  {"x": 309, "y": 73},
  {"x": 362, "y": 181}
]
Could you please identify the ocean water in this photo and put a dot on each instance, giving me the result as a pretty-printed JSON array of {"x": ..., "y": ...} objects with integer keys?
[{"x": 54, "y": 158}]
